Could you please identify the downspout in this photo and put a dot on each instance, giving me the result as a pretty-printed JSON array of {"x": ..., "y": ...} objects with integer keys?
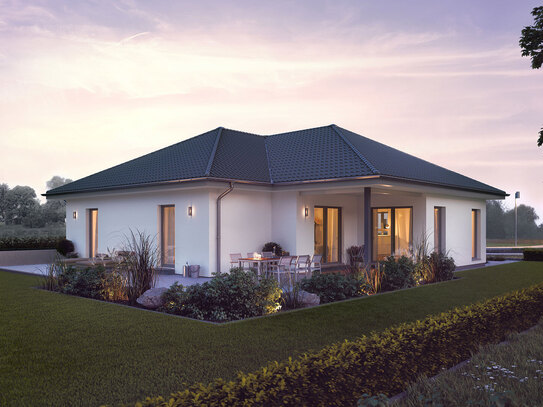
[{"x": 219, "y": 198}]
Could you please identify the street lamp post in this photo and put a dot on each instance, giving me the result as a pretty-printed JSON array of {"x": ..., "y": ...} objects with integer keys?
[{"x": 517, "y": 196}]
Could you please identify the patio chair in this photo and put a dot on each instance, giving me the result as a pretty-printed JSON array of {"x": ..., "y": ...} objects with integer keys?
[
  {"x": 268, "y": 255},
  {"x": 234, "y": 259},
  {"x": 316, "y": 263},
  {"x": 303, "y": 265},
  {"x": 283, "y": 266}
]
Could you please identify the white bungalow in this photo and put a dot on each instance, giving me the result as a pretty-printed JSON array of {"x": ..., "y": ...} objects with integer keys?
[{"x": 314, "y": 191}]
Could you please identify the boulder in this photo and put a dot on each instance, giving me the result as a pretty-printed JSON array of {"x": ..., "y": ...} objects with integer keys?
[
  {"x": 152, "y": 298},
  {"x": 309, "y": 299}
]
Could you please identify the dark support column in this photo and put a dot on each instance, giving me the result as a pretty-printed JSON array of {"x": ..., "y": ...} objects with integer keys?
[{"x": 367, "y": 225}]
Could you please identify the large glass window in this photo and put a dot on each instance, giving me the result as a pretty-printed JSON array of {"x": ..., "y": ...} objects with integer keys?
[
  {"x": 327, "y": 233},
  {"x": 475, "y": 234},
  {"x": 167, "y": 237},
  {"x": 92, "y": 237},
  {"x": 392, "y": 232},
  {"x": 439, "y": 229}
]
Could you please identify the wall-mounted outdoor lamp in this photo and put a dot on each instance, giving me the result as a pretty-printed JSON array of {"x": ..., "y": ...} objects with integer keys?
[
  {"x": 306, "y": 211},
  {"x": 75, "y": 214},
  {"x": 190, "y": 211}
]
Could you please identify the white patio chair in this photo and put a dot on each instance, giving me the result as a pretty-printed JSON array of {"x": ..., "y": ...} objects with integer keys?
[
  {"x": 283, "y": 266},
  {"x": 234, "y": 260},
  {"x": 304, "y": 265},
  {"x": 316, "y": 263}
]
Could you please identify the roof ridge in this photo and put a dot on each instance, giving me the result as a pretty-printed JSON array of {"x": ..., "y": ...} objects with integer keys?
[
  {"x": 268, "y": 158},
  {"x": 355, "y": 150},
  {"x": 212, "y": 155}
]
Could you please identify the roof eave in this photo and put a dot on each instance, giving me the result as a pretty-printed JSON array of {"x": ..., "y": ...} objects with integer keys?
[{"x": 499, "y": 193}]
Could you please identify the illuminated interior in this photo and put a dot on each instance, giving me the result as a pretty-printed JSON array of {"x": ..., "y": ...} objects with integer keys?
[
  {"x": 168, "y": 236},
  {"x": 93, "y": 232},
  {"x": 392, "y": 232},
  {"x": 327, "y": 233}
]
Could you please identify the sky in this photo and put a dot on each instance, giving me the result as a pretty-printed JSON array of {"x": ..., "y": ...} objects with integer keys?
[{"x": 88, "y": 85}]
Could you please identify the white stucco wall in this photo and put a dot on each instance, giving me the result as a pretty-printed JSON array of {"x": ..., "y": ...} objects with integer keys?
[
  {"x": 246, "y": 223},
  {"x": 350, "y": 214},
  {"x": 252, "y": 216},
  {"x": 458, "y": 226},
  {"x": 117, "y": 214}
]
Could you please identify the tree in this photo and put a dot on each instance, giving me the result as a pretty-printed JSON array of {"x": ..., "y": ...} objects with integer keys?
[
  {"x": 56, "y": 182},
  {"x": 20, "y": 202},
  {"x": 531, "y": 43},
  {"x": 55, "y": 210},
  {"x": 495, "y": 226},
  {"x": 3, "y": 191}
]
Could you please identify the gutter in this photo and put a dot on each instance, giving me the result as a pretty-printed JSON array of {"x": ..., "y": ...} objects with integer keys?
[
  {"x": 219, "y": 199},
  {"x": 277, "y": 184}
]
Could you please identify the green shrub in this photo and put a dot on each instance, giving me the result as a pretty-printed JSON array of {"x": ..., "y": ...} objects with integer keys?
[
  {"x": 383, "y": 362},
  {"x": 273, "y": 247},
  {"x": 533, "y": 254},
  {"x": 65, "y": 246},
  {"x": 332, "y": 287},
  {"x": 227, "y": 297},
  {"x": 398, "y": 273},
  {"x": 442, "y": 267},
  {"x": 29, "y": 243},
  {"x": 83, "y": 282}
]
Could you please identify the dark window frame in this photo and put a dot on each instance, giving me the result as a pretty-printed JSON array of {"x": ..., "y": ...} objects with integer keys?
[
  {"x": 392, "y": 227},
  {"x": 163, "y": 264},
  {"x": 325, "y": 230}
]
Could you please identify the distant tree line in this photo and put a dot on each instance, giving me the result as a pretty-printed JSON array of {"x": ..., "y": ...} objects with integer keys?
[
  {"x": 500, "y": 222},
  {"x": 20, "y": 206}
]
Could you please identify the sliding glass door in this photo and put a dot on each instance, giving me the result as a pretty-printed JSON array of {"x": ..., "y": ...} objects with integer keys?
[
  {"x": 327, "y": 233},
  {"x": 167, "y": 235},
  {"x": 392, "y": 232}
]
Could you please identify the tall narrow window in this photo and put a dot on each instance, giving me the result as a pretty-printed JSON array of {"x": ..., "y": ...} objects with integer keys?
[
  {"x": 392, "y": 232},
  {"x": 382, "y": 233},
  {"x": 92, "y": 236},
  {"x": 167, "y": 235},
  {"x": 475, "y": 234},
  {"x": 439, "y": 229},
  {"x": 327, "y": 233}
]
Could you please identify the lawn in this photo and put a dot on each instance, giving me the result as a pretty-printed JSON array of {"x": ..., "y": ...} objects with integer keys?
[{"x": 63, "y": 350}]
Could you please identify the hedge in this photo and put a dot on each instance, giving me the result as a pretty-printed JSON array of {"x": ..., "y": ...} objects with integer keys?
[
  {"x": 533, "y": 254},
  {"x": 29, "y": 243},
  {"x": 383, "y": 362}
]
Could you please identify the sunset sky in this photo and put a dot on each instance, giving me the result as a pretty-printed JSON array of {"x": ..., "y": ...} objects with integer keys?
[{"x": 88, "y": 85}]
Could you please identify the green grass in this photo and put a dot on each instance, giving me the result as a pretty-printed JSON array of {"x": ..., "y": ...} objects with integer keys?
[
  {"x": 61, "y": 350},
  {"x": 22, "y": 231},
  {"x": 513, "y": 370}
]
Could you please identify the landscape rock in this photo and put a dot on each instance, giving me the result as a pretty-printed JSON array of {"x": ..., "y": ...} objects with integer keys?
[
  {"x": 152, "y": 298},
  {"x": 309, "y": 299}
]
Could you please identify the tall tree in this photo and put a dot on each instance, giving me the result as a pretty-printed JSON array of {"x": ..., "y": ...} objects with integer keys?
[
  {"x": 57, "y": 181},
  {"x": 495, "y": 216},
  {"x": 55, "y": 210},
  {"x": 3, "y": 191},
  {"x": 20, "y": 202},
  {"x": 531, "y": 43}
]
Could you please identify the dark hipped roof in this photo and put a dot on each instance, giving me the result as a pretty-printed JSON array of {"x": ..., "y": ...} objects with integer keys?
[{"x": 322, "y": 153}]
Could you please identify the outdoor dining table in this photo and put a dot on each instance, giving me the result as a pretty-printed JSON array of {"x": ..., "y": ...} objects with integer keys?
[{"x": 262, "y": 262}]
